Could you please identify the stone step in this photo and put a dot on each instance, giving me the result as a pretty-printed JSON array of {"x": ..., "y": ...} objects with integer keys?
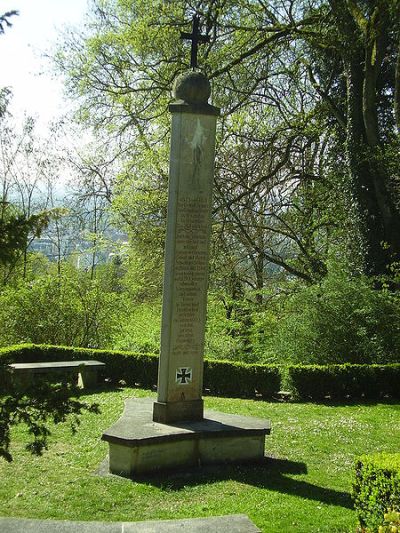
[{"x": 138, "y": 445}]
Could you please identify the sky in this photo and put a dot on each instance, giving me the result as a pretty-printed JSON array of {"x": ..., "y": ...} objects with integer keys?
[{"x": 23, "y": 67}]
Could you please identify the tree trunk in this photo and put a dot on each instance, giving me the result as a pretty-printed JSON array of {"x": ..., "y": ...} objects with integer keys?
[
  {"x": 397, "y": 90},
  {"x": 379, "y": 218},
  {"x": 364, "y": 39}
]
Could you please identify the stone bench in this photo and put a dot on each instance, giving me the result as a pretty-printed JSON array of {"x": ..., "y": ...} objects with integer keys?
[{"x": 86, "y": 371}]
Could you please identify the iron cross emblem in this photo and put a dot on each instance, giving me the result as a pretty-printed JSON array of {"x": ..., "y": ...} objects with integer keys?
[
  {"x": 183, "y": 375},
  {"x": 196, "y": 38}
]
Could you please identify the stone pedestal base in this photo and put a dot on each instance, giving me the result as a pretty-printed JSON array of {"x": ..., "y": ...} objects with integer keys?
[
  {"x": 170, "y": 412},
  {"x": 138, "y": 445}
]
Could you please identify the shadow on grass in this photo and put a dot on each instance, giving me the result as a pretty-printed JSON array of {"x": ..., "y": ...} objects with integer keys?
[
  {"x": 102, "y": 388},
  {"x": 271, "y": 474},
  {"x": 350, "y": 402}
]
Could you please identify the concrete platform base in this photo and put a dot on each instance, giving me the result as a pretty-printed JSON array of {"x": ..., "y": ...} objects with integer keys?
[{"x": 137, "y": 445}]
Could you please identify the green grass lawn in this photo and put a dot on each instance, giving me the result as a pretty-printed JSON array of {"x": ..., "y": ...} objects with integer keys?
[{"x": 304, "y": 487}]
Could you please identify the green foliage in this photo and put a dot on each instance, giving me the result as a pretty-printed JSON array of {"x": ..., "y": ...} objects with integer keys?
[
  {"x": 220, "y": 377},
  {"x": 230, "y": 378},
  {"x": 239, "y": 379},
  {"x": 376, "y": 489},
  {"x": 338, "y": 382},
  {"x": 302, "y": 487},
  {"x": 133, "y": 368},
  {"x": 66, "y": 308},
  {"x": 225, "y": 337},
  {"x": 391, "y": 523},
  {"x": 35, "y": 405},
  {"x": 342, "y": 319},
  {"x": 15, "y": 228},
  {"x": 284, "y": 199},
  {"x": 139, "y": 328},
  {"x": 265, "y": 324},
  {"x": 222, "y": 338}
]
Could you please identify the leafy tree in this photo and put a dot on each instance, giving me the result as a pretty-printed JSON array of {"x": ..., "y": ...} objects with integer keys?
[
  {"x": 120, "y": 106},
  {"x": 45, "y": 310},
  {"x": 16, "y": 230},
  {"x": 272, "y": 201},
  {"x": 333, "y": 59},
  {"x": 307, "y": 155},
  {"x": 28, "y": 171},
  {"x": 342, "y": 319},
  {"x": 349, "y": 50},
  {"x": 35, "y": 406}
]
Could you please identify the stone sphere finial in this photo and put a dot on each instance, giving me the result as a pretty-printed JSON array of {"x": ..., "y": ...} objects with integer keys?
[{"x": 192, "y": 88}]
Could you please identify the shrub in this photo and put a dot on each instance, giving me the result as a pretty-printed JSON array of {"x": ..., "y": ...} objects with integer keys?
[
  {"x": 220, "y": 377},
  {"x": 229, "y": 378},
  {"x": 222, "y": 340},
  {"x": 240, "y": 379},
  {"x": 131, "y": 367},
  {"x": 343, "y": 319},
  {"x": 70, "y": 309},
  {"x": 376, "y": 488},
  {"x": 391, "y": 522},
  {"x": 315, "y": 382},
  {"x": 139, "y": 328}
]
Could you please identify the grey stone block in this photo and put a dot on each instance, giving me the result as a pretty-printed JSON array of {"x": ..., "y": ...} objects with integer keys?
[{"x": 138, "y": 445}]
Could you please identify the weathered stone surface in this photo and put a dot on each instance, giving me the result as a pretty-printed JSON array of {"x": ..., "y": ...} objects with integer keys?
[
  {"x": 170, "y": 411},
  {"x": 85, "y": 371},
  {"x": 173, "y": 432},
  {"x": 138, "y": 444},
  {"x": 136, "y": 427},
  {"x": 192, "y": 88},
  {"x": 180, "y": 378},
  {"x": 216, "y": 524}
]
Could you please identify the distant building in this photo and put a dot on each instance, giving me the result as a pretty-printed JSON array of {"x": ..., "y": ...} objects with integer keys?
[
  {"x": 43, "y": 246},
  {"x": 81, "y": 250}
]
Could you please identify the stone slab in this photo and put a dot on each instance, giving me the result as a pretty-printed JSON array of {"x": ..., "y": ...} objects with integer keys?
[
  {"x": 216, "y": 524},
  {"x": 138, "y": 445},
  {"x": 86, "y": 371},
  {"x": 136, "y": 426},
  {"x": 55, "y": 366}
]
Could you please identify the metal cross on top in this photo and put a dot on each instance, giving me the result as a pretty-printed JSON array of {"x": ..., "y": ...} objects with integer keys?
[{"x": 196, "y": 38}]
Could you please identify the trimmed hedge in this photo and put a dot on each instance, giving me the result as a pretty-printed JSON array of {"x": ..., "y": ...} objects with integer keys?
[
  {"x": 338, "y": 382},
  {"x": 376, "y": 488},
  {"x": 133, "y": 368},
  {"x": 220, "y": 377},
  {"x": 240, "y": 379},
  {"x": 227, "y": 378}
]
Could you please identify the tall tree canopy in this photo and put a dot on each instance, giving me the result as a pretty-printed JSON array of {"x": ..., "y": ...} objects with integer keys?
[{"x": 310, "y": 97}]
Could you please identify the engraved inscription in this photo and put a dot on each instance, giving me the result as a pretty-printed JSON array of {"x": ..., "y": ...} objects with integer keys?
[{"x": 191, "y": 275}]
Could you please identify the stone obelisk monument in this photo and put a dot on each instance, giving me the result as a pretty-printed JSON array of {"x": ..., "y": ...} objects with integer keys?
[
  {"x": 180, "y": 378},
  {"x": 173, "y": 431}
]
